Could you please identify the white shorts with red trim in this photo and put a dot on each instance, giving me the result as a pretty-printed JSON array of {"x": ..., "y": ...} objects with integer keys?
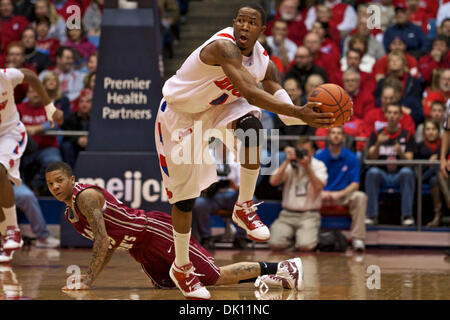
[
  {"x": 182, "y": 143},
  {"x": 12, "y": 147}
]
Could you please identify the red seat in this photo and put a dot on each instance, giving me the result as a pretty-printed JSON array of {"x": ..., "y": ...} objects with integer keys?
[{"x": 334, "y": 210}]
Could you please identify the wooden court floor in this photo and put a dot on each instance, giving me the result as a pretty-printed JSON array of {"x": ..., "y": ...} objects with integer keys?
[{"x": 403, "y": 274}]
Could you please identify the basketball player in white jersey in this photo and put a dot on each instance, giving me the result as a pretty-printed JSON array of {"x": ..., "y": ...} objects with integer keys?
[
  {"x": 13, "y": 141},
  {"x": 217, "y": 87}
]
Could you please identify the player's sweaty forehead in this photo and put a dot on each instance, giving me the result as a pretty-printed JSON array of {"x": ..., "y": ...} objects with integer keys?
[{"x": 249, "y": 13}]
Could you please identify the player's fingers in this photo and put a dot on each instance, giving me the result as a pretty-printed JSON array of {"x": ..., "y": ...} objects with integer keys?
[
  {"x": 313, "y": 104},
  {"x": 324, "y": 121},
  {"x": 325, "y": 115}
]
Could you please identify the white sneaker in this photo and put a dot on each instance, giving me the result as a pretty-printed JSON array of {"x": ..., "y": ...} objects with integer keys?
[
  {"x": 49, "y": 242},
  {"x": 187, "y": 281},
  {"x": 245, "y": 216},
  {"x": 358, "y": 245},
  {"x": 408, "y": 222},
  {"x": 12, "y": 240},
  {"x": 289, "y": 276},
  {"x": 370, "y": 221}
]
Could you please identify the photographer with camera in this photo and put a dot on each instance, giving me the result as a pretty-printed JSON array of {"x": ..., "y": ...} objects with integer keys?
[
  {"x": 303, "y": 178},
  {"x": 220, "y": 195}
]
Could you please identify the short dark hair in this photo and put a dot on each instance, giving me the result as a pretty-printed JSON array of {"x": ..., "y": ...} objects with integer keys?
[
  {"x": 256, "y": 7},
  {"x": 397, "y": 105},
  {"x": 441, "y": 37},
  {"x": 355, "y": 50},
  {"x": 60, "y": 165},
  {"x": 437, "y": 103},
  {"x": 304, "y": 140},
  {"x": 60, "y": 51}
]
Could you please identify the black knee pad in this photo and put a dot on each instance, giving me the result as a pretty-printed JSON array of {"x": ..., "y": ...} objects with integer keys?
[
  {"x": 185, "y": 205},
  {"x": 247, "y": 130}
]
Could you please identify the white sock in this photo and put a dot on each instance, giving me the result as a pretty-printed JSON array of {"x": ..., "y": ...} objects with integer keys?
[
  {"x": 247, "y": 184},
  {"x": 181, "y": 241},
  {"x": 10, "y": 219}
]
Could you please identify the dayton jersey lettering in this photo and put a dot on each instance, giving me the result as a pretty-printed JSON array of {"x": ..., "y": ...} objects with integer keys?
[{"x": 197, "y": 86}]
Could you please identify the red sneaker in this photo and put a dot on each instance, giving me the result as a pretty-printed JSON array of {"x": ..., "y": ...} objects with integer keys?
[
  {"x": 245, "y": 216},
  {"x": 187, "y": 281},
  {"x": 6, "y": 256},
  {"x": 12, "y": 240}
]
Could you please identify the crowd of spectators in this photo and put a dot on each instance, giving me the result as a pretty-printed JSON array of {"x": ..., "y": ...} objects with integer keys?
[{"x": 393, "y": 58}]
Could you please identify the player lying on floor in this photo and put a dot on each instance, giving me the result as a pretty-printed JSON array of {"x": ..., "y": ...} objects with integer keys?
[{"x": 148, "y": 237}]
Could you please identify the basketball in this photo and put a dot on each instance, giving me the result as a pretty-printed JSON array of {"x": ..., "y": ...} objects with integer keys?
[{"x": 334, "y": 99}]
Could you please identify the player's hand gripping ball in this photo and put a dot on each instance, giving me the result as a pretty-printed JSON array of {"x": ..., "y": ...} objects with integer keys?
[{"x": 334, "y": 99}]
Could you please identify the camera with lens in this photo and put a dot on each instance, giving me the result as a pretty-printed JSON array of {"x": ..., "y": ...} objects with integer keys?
[{"x": 300, "y": 153}]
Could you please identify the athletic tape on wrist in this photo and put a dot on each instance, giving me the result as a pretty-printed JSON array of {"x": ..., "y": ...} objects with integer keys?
[{"x": 283, "y": 96}]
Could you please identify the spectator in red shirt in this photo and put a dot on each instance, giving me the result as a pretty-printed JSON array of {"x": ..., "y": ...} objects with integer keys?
[
  {"x": 45, "y": 43},
  {"x": 418, "y": 15},
  {"x": 438, "y": 58},
  {"x": 322, "y": 59},
  {"x": 289, "y": 12},
  {"x": 33, "y": 116},
  {"x": 380, "y": 68},
  {"x": 343, "y": 16},
  {"x": 375, "y": 119},
  {"x": 353, "y": 59},
  {"x": 363, "y": 101},
  {"x": 15, "y": 58},
  {"x": 11, "y": 25},
  {"x": 327, "y": 45},
  {"x": 441, "y": 93}
]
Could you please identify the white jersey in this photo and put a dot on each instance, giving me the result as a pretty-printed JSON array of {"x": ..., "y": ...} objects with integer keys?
[
  {"x": 9, "y": 116},
  {"x": 197, "y": 87}
]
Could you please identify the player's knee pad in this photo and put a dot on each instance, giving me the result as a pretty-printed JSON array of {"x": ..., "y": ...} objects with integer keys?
[
  {"x": 185, "y": 205},
  {"x": 248, "y": 129}
]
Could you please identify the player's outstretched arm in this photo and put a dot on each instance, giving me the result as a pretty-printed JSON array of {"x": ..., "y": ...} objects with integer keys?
[
  {"x": 228, "y": 56},
  {"x": 53, "y": 114},
  {"x": 90, "y": 203}
]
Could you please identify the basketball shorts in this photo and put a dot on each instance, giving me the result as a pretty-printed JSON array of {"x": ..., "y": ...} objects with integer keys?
[
  {"x": 182, "y": 143},
  {"x": 157, "y": 253},
  {"x": 12, "y": 147}
]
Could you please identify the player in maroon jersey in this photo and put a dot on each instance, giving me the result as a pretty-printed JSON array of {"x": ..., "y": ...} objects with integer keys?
[{"x": 99, "y": 216}]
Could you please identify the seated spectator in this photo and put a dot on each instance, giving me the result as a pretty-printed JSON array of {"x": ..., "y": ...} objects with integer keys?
[
  {"x": 441, "y": 93},
  {"x": 430, "y": 149},
  {"x": 411, "y": 88},
  {"x": 77, "y": 40},
  {"x": 360, "y": 43},
  {"x": 343, "y": 16},
  {"x": 327, "y": 45},
  {"x": 380, "y": 69},
  {"x": 343, "y": 183},
  {"x": 262, "y": 39},
  {"x": 391, "y": 143},
  {"x": 77, "y": 121},
  {"x": 304, "y": 67},
  {"x": 313, "y": 81},
  {"x": 45, "y": 43},
  {"x": 11, "y": 25},
  {"x": 24, "y": 8},
  {"x": 38, "y": 60},
  {"x": 71, "y": 80},
  {"x": 444, "y": 27},
  {"x": 92, "y": 18},
  {"x": 15, "y": 58},
  {"x": 413, "y": 35},
  {"x": 27, "y": 202},
  {"x": 33, "y": 116},
  {"x": 322, "y": 59},
  {"x": 437, "y": 111},
  {"x": 438, "y": 58},
  {"x": 324, "y": 14},
  {"x": 363, "y": 100},
  {"x": 353, "y": 61},
  {"x": 92, "y": 63},
  {"x": 375, "y": 47},
  {"x": 288, "y": 12},
  {"x": 418, "y": 14},
  {"x": 303, "y": 179},
  {"x": 51, "y": 85},
  {"x": 89, "y": 80},
  {"x": 44, "y": 9},
  {"x": 221, "y": 195},
  {"x": 375, "y": 119},
  {"x": 280, "y": 45},
  {"x": 292, "y": 87}
]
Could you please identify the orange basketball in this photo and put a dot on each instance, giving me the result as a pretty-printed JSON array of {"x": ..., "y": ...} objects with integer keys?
[{"x": 334, "y": 99}]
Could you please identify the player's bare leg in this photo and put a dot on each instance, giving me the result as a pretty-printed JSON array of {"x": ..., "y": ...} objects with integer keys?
[
  {"x": 244, "y": 214},
  {"x": 182, "y": 270},
  {"x": 286, "y": 274},
  {"x": 11, "y": 238}
]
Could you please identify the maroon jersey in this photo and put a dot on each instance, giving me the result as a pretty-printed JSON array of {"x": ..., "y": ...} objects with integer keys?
[{"x": 124, "y": 226}]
